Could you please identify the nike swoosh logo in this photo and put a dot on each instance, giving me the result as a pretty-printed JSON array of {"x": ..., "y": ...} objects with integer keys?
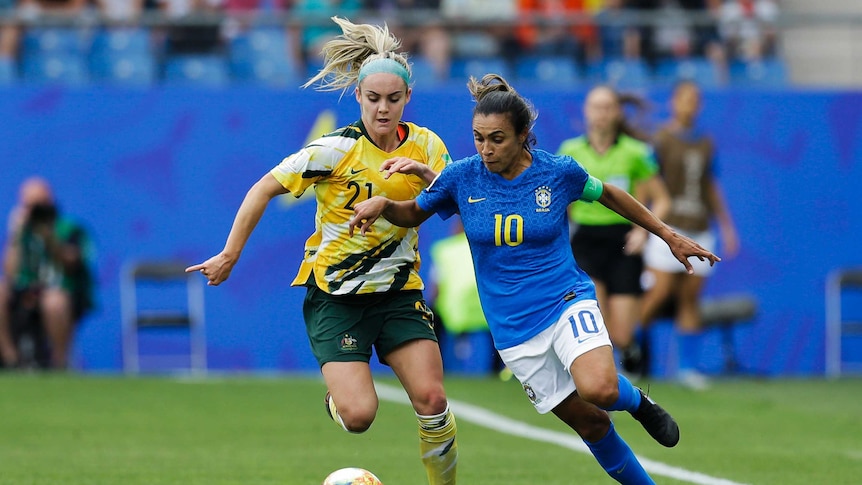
[
  {"x": 473, "y": 201},
  {"x": 354, "y": 172}
]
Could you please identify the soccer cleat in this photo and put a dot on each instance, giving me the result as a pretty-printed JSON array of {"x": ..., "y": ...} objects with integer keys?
[{"x": 656, "y": 421}]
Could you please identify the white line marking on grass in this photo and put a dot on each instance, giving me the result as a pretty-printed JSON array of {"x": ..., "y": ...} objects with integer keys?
[{"x": 572, "y": 441}]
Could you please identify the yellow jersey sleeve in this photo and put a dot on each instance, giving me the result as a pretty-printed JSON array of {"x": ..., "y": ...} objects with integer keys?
[{"x": 314, "y": 161}]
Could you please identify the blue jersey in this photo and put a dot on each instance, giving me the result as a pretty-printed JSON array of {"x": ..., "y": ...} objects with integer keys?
[{"x": 519, "y": 238}]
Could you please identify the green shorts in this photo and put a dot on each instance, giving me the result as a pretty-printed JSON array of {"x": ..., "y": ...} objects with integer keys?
[{"x": 343, "y": 328}]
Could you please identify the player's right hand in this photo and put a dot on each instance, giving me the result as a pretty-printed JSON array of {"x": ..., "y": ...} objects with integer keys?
[{"x": 216, "y": 269}]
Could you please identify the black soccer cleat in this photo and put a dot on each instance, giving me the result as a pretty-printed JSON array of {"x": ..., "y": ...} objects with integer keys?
[{"x": 656, "y": 421}]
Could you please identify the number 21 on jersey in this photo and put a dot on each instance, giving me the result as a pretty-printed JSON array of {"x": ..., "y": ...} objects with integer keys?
[{"x": 508, "y": 229}]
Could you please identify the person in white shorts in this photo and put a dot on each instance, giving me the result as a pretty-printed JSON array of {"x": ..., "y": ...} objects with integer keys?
[{"x": 686, "y": 158}]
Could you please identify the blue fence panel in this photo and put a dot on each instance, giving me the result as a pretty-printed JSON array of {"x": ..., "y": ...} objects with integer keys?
[{"x": 159, "y": 173}]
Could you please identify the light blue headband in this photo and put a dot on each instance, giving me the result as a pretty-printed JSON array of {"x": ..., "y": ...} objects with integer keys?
[{"x": 384, "y": 64}]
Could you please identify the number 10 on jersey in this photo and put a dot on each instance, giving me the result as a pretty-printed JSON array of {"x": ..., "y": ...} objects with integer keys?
[{"x": 508, "y": 229}]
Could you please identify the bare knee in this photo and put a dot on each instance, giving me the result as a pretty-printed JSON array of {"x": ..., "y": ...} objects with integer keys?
[
  {"x": 601, "y": 393},
  {"x": 430, "y": 400},
  {"x": 56, "y": 305},
  {"x": 357, "y": 417}
]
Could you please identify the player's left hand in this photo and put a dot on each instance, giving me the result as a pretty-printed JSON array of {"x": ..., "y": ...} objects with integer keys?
[
  {"x": 684, "y": 247},
  {"x": 365, "y": 213}
]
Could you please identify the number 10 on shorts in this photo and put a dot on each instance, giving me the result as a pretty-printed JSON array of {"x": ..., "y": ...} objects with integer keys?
[{"x": 585, "y": 325}]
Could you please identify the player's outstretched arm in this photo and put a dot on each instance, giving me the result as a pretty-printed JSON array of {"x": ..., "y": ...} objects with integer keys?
[
  {"x": 217, "y": 268},
  {"x": 681, "y": 246},
  {"x": 404, "y": 213}
]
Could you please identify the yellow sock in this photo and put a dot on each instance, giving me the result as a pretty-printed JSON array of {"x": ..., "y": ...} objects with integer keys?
[{"x": 438, "y": 447}]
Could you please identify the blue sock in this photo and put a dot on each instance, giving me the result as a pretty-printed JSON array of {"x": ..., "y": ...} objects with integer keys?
[
  {"x": 689, "y": 350},
  {"x": 629, "y": 399},
  {"x": 618, "y": 460}
]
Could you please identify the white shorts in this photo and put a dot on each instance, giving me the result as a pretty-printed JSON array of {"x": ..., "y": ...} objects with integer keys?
[
  {"x": 657, "y": 254},
  {"x": 542, "y": 363}
]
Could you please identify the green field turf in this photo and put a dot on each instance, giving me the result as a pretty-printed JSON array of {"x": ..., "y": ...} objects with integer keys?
[{"x": 70, "y": 430}]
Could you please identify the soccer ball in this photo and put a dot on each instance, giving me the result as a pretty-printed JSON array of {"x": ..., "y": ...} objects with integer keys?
[{"x": 352, "y": 476}]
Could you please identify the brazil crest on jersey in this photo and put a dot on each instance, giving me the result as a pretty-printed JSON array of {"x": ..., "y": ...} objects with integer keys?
[
  {"x": 344, "y": 168},
  {"x": 519, "y": 237}
]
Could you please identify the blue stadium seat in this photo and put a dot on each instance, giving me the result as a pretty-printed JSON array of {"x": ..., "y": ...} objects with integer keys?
[
  {"x": 197, "y": 70},
  {"x": 701, "y": 71},
  {"x": 8, "y": 72},
  {"x": 464, "y": 67},
  {"x": 123, "y": 57},
  {"x": 551, "y": 71},
  {"x": 263, "y": 56},
  {"x": 763, "y": 73},
  {"x": 113, "y": 42},
  {"x": 124, "y": 70},
  {"x": 620, "y": 73},
  {"x": 59, "y": 68},
  {"x": 55, "y": 41}
]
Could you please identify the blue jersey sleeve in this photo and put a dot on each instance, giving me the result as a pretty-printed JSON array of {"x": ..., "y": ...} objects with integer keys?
[
  {"x": 439, "y": 197},
  {"x": 576, "y": 178}
]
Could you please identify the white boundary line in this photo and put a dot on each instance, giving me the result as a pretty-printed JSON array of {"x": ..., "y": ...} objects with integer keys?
[{"x": 572, "y": 441}]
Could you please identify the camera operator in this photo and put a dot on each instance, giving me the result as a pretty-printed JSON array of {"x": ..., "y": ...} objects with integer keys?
[{"x": 48, "y": 281}]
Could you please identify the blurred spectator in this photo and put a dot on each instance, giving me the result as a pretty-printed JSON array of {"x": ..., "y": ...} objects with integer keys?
[
  {"x": 619, "y": 35},
  {"x": 673, "y": 37},
  {"x": 195, "y": 34},
  {"x": 491, "y": 19},
  {"x": 402, "y": 5},
  {"x": 242, "y": 15},
  {"x": 46, "y": 263},
  {"x": 9, "y": 33},
  {"x": 686, "y": 156},
  {"x": 747, "y": 28},
  {"x": 551, "y": 28},
  {"x": 33, "y": 8},
  {"x": 120, "y": 11},
  {"x": 434, "y": 45},
  {"x": 260, "y": 6},
  {"x": 315, "y": 15}
]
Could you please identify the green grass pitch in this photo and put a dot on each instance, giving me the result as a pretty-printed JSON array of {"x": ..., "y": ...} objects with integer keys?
[{"x": 77, "y": 430}]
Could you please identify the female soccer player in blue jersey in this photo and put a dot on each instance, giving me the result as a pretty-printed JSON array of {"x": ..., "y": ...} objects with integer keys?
[
  {"x": 540, "y": 307},
  {"x": 363, "y": 294}
]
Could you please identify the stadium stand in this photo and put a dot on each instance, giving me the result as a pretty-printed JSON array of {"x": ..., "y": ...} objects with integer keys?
[
  {"x": 261, "y": 52},
  {"x": 123, "y": 57},
  {"x": 204, "y": 70},
  {"x": 557, "y": 71},
  {"x": 261, "y": 56}
]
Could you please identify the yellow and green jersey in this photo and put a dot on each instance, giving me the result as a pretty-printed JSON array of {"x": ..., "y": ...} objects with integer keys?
[
  {"x": 344, "y": 168},
  {"x": 625, "y": 164}
]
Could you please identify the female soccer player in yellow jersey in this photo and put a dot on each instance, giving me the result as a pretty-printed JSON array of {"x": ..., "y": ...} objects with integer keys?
[{"x": 363, "y": 292}]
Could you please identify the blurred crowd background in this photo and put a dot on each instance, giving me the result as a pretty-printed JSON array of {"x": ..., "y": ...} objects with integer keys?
[{"x": 631, "y": 43}]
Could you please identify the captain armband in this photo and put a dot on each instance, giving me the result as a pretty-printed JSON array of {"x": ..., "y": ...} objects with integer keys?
[{"x": 592, "y": 189}]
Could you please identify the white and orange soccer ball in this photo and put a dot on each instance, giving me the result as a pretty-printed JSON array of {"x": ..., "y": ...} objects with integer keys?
[{"x": 352, "y": 476}]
